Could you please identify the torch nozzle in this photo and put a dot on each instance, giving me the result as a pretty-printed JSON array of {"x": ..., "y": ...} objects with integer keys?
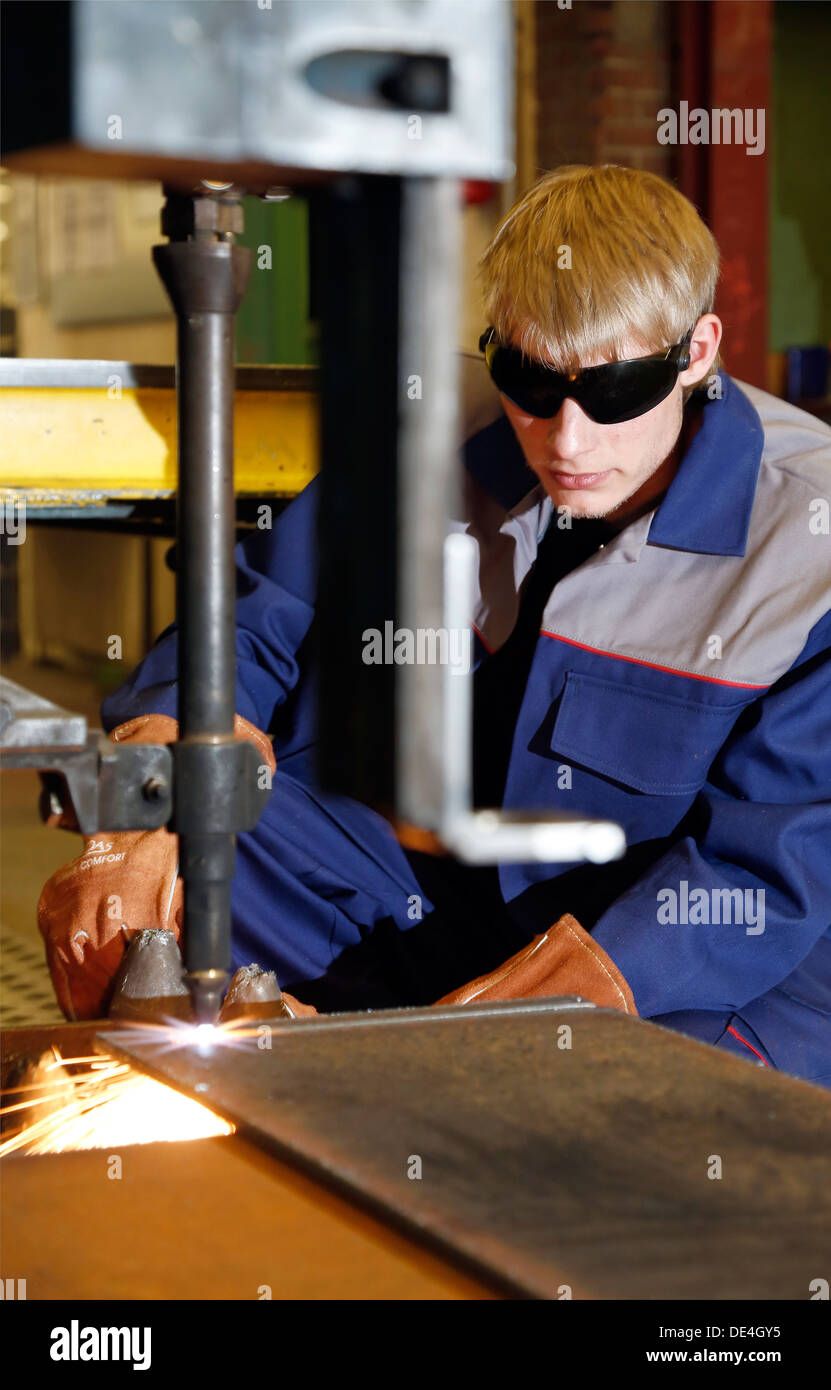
[{"x": 206, "y": 988}]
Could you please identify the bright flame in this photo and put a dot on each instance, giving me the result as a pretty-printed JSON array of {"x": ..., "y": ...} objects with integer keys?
[{"x": 106, "y": 1105}]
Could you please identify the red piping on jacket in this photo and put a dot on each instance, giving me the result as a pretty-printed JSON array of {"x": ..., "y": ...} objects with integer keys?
[
  {"x": 487, "y": 647},
  {"x": 653, "y": 665},
  {"x": 732, "y": 1030}
]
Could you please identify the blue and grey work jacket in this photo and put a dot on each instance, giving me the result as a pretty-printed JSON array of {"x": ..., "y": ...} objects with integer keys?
[{"x": 682, "y": 676}]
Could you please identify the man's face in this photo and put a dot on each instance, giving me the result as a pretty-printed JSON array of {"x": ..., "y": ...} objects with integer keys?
[{"x": 602, "y": 470}]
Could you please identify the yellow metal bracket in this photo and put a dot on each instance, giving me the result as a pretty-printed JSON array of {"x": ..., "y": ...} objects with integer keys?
[{"x": 82, "y": 433}]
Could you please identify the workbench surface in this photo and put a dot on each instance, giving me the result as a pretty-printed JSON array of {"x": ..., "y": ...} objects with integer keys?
[{"x": 562, "y": 1152}]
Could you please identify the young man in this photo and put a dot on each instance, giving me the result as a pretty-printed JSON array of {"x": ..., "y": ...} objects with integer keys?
[{"x": 653, "y": 647}]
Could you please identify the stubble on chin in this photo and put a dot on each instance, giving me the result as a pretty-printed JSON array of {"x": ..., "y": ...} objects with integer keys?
[{"x": 630, "y": 506}]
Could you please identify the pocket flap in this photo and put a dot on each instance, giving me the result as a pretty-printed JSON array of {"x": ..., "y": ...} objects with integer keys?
[{"x": 655, "y": 743}]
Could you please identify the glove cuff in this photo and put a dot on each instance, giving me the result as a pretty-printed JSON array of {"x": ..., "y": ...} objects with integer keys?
[
  {"x": 563, "y": 960},
  {"x": 161, "y": 728}
]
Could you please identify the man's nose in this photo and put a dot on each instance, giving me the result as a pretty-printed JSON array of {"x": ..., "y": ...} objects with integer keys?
[{"x": 570, "y": 431}]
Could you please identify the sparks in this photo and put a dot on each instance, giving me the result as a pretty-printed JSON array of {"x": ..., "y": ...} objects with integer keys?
[
  {"x": 169, "y": 1035},
  {"x": 106, "y": 1104}
]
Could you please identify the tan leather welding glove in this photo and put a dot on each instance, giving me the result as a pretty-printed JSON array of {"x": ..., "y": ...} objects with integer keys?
[
  {"x": 296, "y": 1009},
  {"x": 90, "y": 909},
  {"x": 563, "y": 960}
]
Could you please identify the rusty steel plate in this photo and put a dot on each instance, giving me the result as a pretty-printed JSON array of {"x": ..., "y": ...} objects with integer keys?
[{"x": 558, "y": 1150}]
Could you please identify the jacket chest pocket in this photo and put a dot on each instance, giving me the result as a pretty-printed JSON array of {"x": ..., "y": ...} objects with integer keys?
[{"x": 659, "y": 744}]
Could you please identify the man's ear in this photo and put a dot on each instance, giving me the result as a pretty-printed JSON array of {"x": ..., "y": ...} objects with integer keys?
[{"x": 703, "y": 349}]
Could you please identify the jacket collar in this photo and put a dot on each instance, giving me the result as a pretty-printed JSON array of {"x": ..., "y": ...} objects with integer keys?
[{"x": 707, "y": 505}]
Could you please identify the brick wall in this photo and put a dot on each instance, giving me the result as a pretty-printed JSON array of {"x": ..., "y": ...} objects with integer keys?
[{"x": 603, "y": 73}]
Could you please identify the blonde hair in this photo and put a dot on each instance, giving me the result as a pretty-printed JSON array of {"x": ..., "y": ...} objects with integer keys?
[{"x": 643, "y": 267}]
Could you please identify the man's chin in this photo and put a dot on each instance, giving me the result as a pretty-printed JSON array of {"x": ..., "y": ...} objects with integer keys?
[{"x": 590, "y": 503}]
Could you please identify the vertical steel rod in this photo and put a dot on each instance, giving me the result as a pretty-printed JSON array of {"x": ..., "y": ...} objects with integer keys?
[
  {"x": 205, "y": 275},
  {"x": 428, "y": 479}
]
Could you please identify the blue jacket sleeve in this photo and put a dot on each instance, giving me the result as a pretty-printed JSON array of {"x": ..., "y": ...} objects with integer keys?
[
  {"x": 276, "y": 575},
  {"x": 761, "y": 824}
]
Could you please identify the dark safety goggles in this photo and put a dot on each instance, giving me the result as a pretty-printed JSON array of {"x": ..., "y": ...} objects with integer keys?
[{"x": 609, "y": 394}]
